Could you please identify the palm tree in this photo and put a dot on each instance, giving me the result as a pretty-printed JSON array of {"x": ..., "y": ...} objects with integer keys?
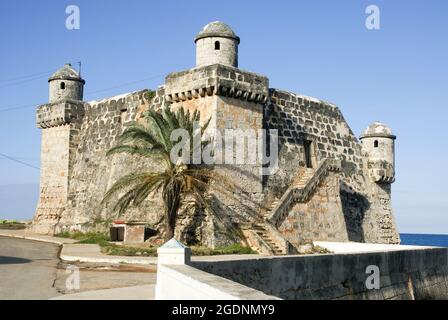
[{"x": 176, "y": 180}]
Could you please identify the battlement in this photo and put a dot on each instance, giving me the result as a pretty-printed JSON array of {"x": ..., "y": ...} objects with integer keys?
[
  {"x": 313, "y": 202},
  {"x": 302, "y": 102},
  {"x": 59, "y": 113},
  {"x": 381, "y": 171},
  {"x": 216, "y": 79}
]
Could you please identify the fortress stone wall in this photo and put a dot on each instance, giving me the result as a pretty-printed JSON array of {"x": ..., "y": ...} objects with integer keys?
[{"x": 329, "y": 186}]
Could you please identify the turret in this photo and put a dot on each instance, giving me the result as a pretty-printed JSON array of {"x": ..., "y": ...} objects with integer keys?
[
  {"x": 216, "y": 43},
  {"x": 378, "y": 143},
  {"x": 66, "y": 84},
  {"x": 60, "y": 121}
]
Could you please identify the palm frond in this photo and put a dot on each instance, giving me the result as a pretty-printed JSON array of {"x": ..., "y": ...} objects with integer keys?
[
  {"x": 127, "y": 182},
  {"x": 143, "y": 190},
  {"x": 138, "y": 133},
  {"x": 123, "y": 202},
  {"x": 136, "y": 150},
  {"x": 174, "y": 181}
]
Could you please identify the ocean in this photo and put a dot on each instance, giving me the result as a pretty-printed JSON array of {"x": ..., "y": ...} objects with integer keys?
[{"x": 437, "y": 240}]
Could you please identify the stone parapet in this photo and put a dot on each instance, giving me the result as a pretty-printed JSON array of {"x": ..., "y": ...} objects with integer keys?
[
  {"x": 59, "y": 113},
  {"x": 381, "y": 171},
  {"x": 216, "y": 80}
]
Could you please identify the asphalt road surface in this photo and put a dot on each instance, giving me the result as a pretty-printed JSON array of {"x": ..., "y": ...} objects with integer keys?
[
  {"x": 32, "y": 270},
  {"x": 27, "y": 269}
]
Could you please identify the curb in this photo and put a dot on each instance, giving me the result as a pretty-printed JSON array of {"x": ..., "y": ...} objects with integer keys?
[
  {"x": 32, "y": 238},
  {"x": 117, "y": 260},
  {"x": 71, "y": 258}
]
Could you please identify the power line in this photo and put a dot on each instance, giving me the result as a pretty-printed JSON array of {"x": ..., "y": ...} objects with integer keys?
[
  {"x": 10, "y": 108},
  {"x": 21, "y": 107},
  {"x": 125, "y": 84},
  {"x": 23, "y": 81},
  {"x": 25, "y": 77},
  {"x": 19, "y": 161},
  {"x": 30, "y": 75}
]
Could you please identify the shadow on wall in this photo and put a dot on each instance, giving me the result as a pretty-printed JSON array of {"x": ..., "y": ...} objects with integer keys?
[
  {"x": 354, "y": 207},
  {"x": 211, "y": 227}
]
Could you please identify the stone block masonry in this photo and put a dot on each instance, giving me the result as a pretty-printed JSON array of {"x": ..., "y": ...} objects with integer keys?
[
  {"x": 403, "y": 275},
  {"x": 361, "y": 206},
  {"x": 309, "y": 204},
  {"x": 93, "y": 172}
]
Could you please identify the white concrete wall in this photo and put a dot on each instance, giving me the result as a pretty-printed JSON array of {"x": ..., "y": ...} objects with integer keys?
[
  {"x": 178, "y": 281},
  {"x": 178, "y": 284},
  {"x": 182, "y": 282}
]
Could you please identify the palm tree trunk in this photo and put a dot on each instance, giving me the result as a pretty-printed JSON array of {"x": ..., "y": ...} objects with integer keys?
[{"x": 171, "y": 198}]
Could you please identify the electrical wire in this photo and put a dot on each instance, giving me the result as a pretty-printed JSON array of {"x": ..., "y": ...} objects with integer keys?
[
  {"x": 10, "y": 108},
  {"x": 19, "y": 161}
]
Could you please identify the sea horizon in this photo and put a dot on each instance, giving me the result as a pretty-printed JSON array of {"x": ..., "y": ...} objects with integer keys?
[{"x": 424, "y": 239}]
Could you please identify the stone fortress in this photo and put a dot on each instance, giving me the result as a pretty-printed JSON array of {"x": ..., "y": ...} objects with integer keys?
[{"x": 329, "y": 186}]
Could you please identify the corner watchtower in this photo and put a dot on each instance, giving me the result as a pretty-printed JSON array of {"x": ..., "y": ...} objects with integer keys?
[
  {"x": 60, "y": 121},
  {"x": 66, "y": 84},
  {"x": 216, "y": 43},
  {"x": 378, "y": 143}
]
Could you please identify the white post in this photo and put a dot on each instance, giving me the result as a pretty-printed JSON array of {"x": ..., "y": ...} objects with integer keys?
[{"x": 172, "y": 252}]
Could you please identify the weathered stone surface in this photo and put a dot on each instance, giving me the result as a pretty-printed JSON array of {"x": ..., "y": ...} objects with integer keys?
[
  {"x": 351, "y": 203},
  {"x": 406, "y": 274}
]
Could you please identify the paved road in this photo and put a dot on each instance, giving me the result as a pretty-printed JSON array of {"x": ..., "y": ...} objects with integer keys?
[
  {"x": 27, "y": 269},
  {"x": 31, "y": 270}
]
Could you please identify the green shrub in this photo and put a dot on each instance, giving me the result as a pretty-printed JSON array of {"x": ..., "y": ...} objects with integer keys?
[
  {"x": 11, "y": 225},
  {"x": 232, "y": 249},
  {"x": 150, "y": 251},
  {"x": 86, "y": 238},
  {"x": 116, "y": 250}
]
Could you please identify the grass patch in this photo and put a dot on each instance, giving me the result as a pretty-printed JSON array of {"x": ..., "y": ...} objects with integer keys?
[
  {"x": 86, "y": 238},
  {"x": 11, "y": 225},
  {"x": 232, "y": 249},
  {"x": 8, "y": 221},
  {"x": 118, "y": 250},
  {"x": 145, "y": 250}
]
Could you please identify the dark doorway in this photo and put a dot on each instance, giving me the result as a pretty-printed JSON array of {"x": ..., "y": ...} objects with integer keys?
[
  {"x": 307, "y": 149},
  {"x": 116, "y": 233}
]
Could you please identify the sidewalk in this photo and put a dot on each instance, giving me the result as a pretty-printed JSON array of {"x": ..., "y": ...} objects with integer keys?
[
  {"x": 92, "y": 253},
  {"x": 73, "y": 252}
]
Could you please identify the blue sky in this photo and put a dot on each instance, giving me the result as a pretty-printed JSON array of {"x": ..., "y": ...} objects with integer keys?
[{"x": 398, "y": 74}]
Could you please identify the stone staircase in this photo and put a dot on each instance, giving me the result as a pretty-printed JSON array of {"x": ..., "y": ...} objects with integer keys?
[
  {"x": 302, "y": 189},
  {"x": 302, "y": 178},
  {"x": 263, "y": 231},
  {"x": 265, "y": 235}
]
